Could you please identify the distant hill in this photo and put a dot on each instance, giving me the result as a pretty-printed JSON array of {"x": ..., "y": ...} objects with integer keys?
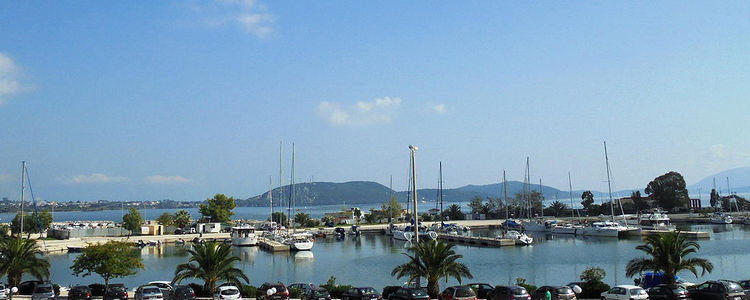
[{"x": 739, "y": 181}]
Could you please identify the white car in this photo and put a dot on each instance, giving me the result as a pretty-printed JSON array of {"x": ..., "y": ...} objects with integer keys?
[
  {"x": 625, "y": 292},
  {"x": 227, "y": 292},
  {"x": 4, "y": 292}
]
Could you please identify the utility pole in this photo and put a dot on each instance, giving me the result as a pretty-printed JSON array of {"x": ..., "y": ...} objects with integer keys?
[{"x": 412, "y": 149}]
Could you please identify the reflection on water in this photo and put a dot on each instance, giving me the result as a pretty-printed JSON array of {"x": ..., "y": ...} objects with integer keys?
[{"x": 369, "y": 259}]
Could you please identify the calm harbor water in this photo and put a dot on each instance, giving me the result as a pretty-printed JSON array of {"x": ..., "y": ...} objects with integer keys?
[{"x": 369, "y": 259}]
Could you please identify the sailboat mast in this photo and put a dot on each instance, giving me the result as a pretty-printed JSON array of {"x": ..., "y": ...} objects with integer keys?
[
  {"x": 609, "y": 183},
  {"x": 23, "y": 188},
  {"x": 291, "y": 193},
  {"x": 527, "y": 185},
  {"x": 270, "y": 194},
  {"x": 440, "y": 187},
  {"x": 281, "y": 183},
  {"x": 570, "y": 187},
  {"x": 505, "y": 196},
  {"x": 414, "y": 190},
  {"x": 541, "y": 196}
]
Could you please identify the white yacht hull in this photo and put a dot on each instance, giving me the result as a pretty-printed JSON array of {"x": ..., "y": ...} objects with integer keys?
[
  {"x": 402, "y": 235},
  {"x": 567, "y": 230},
  {"x": 594, "y": 231},
  {"x": 245, "y": 241},
  {"x": 303, "y": 246}
]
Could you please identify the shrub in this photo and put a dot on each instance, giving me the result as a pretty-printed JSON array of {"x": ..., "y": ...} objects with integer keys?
[
  {"x": 529, "y": 287},
  {"x": 248, "y": 291},
  {"x": 334, "y": 289},
  {"x": 591, "y": 274},
  {"x": 295, "y": 293},
  {"x": 593, "y": 289}
]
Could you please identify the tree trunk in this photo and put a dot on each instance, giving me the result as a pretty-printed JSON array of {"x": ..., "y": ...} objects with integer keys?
[
  {"x": 433, "y": 288},
  {"x": 106, "y": 285}
]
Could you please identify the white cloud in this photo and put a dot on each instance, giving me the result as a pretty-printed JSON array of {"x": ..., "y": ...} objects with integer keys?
[
  {"x": 9, "y": 73},
  {"x": 159, "y": 179},
  {"x": 245, "y": 14},
  {"x": 95, "y": 178},
  {"x": 361, "y": 113},
  {"x": 438, "y": 108}
]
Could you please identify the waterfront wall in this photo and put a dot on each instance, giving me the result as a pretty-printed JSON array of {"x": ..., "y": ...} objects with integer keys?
[{"x": 65, "y": 234}]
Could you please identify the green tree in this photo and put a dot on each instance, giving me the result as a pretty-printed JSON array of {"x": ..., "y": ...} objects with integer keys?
[
  {"x": 132, "y": 221},
  {"x": 592, "y": 282},
  {"x": 114, "y": 259},
  {"x": 639, "y": 202},
  {"x": 668, "y": 253},
  {"x": 181, "y": 218},
  {"x": 371, "y": 217},
  {"x": 357, "y": 214},
  {"x": 21, "y": 256},
  {"x": 476, "y": 205},
  {"x": 327, "y": 220},
  {"x": 212, "y": 263},
  {"x": 558, "y": 208},
  {"x": 432, "y": 260},
  {"x": 392, "y": 209},
  {"x": 454, "y": 212},
  {"x": 668, "y": 190},
  {"x": 278, "y": 217},
  {"x": 166, "y": 219},
  {"x": 28, "y": 224},
  {"x": 302, "y": 219},
  {"x": 593, "y": 274},
  {"x": 588, "y": 199},
  {"x": 4, "y": 230},
  {"x": 218, "y": 209}
]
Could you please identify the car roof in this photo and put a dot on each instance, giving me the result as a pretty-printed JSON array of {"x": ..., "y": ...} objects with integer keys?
[
  {"x": 628, "y": 286},
  {"x": 228, "y": 287},
  {"x": 44, "y": 285}
]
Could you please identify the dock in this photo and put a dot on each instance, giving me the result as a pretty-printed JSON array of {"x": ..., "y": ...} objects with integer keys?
[
  {"x": 270, "y": 245},
  {"x": 688, "y": 234},
  {"x": 475, "y": 240}
]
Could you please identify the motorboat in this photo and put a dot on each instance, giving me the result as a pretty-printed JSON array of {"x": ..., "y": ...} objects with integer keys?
[
  {"x": 567, "y": 228},
  {"x": 354, "y": 230},
  {"x": 74, "y": 249},
  {"x": 721, "y": 218},
  {"x": 538, "y": 225},
  {"x": 402, "y": 234},
  {"x": 655, "y": 220},
  {"x": 244, "y": 236},
  {"x": 605, "y": 228},
  {"x": 300, "y": 241},
  {"x": 339, "y": 232},
  {"x": 511, "y": 224},
  {"x": 518, "y": 237}
]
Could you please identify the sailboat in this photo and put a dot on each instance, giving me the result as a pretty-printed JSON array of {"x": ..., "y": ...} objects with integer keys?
[
  {"x": 301, "y": 241},
  {"x": 533, "y": 224},
  {"x": 609, "y": 228},
  {"x": 568, "y": 228}
]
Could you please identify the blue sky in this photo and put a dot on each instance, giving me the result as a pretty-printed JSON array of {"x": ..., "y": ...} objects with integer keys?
[{"x": 144, "y": 100}]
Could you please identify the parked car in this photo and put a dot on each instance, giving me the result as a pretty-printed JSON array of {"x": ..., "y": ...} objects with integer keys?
[
  {"x": 4, "y": 292},
  {"x": 625, "y": 292},
  {"x": 557, "y": 292},
  {"x": 509, "y": 292},
  {"x": 116, "y": 291},
  {"x": 481, "y": 289},
  {"x": 183, "y": 292},
  {"x": 27, "y": 287},
  {"x": 458, "y": 292},
  {"x": 305, "y": 287},
  {"x": 407, "y": 293},
  {"x": 43, "y": 291},
  {"x": 745, "y": 284},
  {"x": 227, "y": 292},
  {"x": 388, "y": 290},
  {"x": 79, "y": 292},
  {"x": 668, "y": 292},
  {"x": 165, "y": 287},
  {"x": 281, "y": 291},
  {"x": 148, "y": 292},
  {"x": 97, "y": 289},
  {"x": 316, "y": 294},
  {"x": 361, "y": 293},
  {"x": 718, "y": 290}
]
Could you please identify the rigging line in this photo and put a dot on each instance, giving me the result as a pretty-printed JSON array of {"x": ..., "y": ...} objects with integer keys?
[{"x": 33, "y": 200}]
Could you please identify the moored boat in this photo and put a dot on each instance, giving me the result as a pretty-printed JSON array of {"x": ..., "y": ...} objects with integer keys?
[
  {"x": 244, "y": 236},
  {"x": 721, "y": 218},
  {"x": 300, "y": 241},
  {"x": 518, "y": 237}
]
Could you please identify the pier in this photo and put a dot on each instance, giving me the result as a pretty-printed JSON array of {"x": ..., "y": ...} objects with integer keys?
[
  {"x": 475, "y": 240},
  {"x": 270, "y": 245}
]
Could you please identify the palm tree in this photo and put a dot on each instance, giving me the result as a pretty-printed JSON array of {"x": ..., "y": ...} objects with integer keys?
[
  {"x": 211, "y": 262},
  {"x": 19, "y": 256},
  {"x": 668, "y": 253},
  {"x": 432, "y": 260}
]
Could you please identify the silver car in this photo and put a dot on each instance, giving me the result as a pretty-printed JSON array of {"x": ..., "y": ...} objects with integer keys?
[
  {"x": 43, "y": 292},
  {"x": 148, "y": 292},
  {"x": 4, "y": 292}
]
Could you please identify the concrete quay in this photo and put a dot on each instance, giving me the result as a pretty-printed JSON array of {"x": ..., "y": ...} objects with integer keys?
[
  {"x": 62, "y": 245},
  {"x": 271, "y": 245},
  {"x": 475, "y": 240}
]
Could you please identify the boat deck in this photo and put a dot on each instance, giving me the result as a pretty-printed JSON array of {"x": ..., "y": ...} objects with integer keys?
[{"x": 272, "y": 246}]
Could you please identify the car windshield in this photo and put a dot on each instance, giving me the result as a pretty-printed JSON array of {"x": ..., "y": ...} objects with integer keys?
[
  {"x": 79, "y": 289},
  {"x": 43, "y": 289},
  {"x": 151, "y": 290},
  {"x": 161, "y": 285},
  {"x": 418, "y": 293},
  {"x": 679, "y": 290},
  {"x": 564, "y": 290},
  {"x": 117, "y": 288},
  {"x": 519, "y": 291},
  {"x": 733, "y": 287},
  {"x": 230, "y": 292},
  {"x": 745, "y": 285},
  {"x": 279, "y": 288},
  {"x": 637, "y": 291},
  {"x": 465, "y": 292}
]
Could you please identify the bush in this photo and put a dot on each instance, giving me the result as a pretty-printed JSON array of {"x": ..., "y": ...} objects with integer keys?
[
  {"x": 593, "y": 289},
  {"x": 248, "y": 291},
  {"x": 198, "y": 289},
  {"x": 295, "y": 293},
  {"x": 592, "y": 274},
  {"x": 334, "y": 289},
  {"x": 529, "y": 287}
]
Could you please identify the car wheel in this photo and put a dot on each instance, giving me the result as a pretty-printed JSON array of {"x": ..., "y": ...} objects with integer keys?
[{"x": 604, "y": 298}]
